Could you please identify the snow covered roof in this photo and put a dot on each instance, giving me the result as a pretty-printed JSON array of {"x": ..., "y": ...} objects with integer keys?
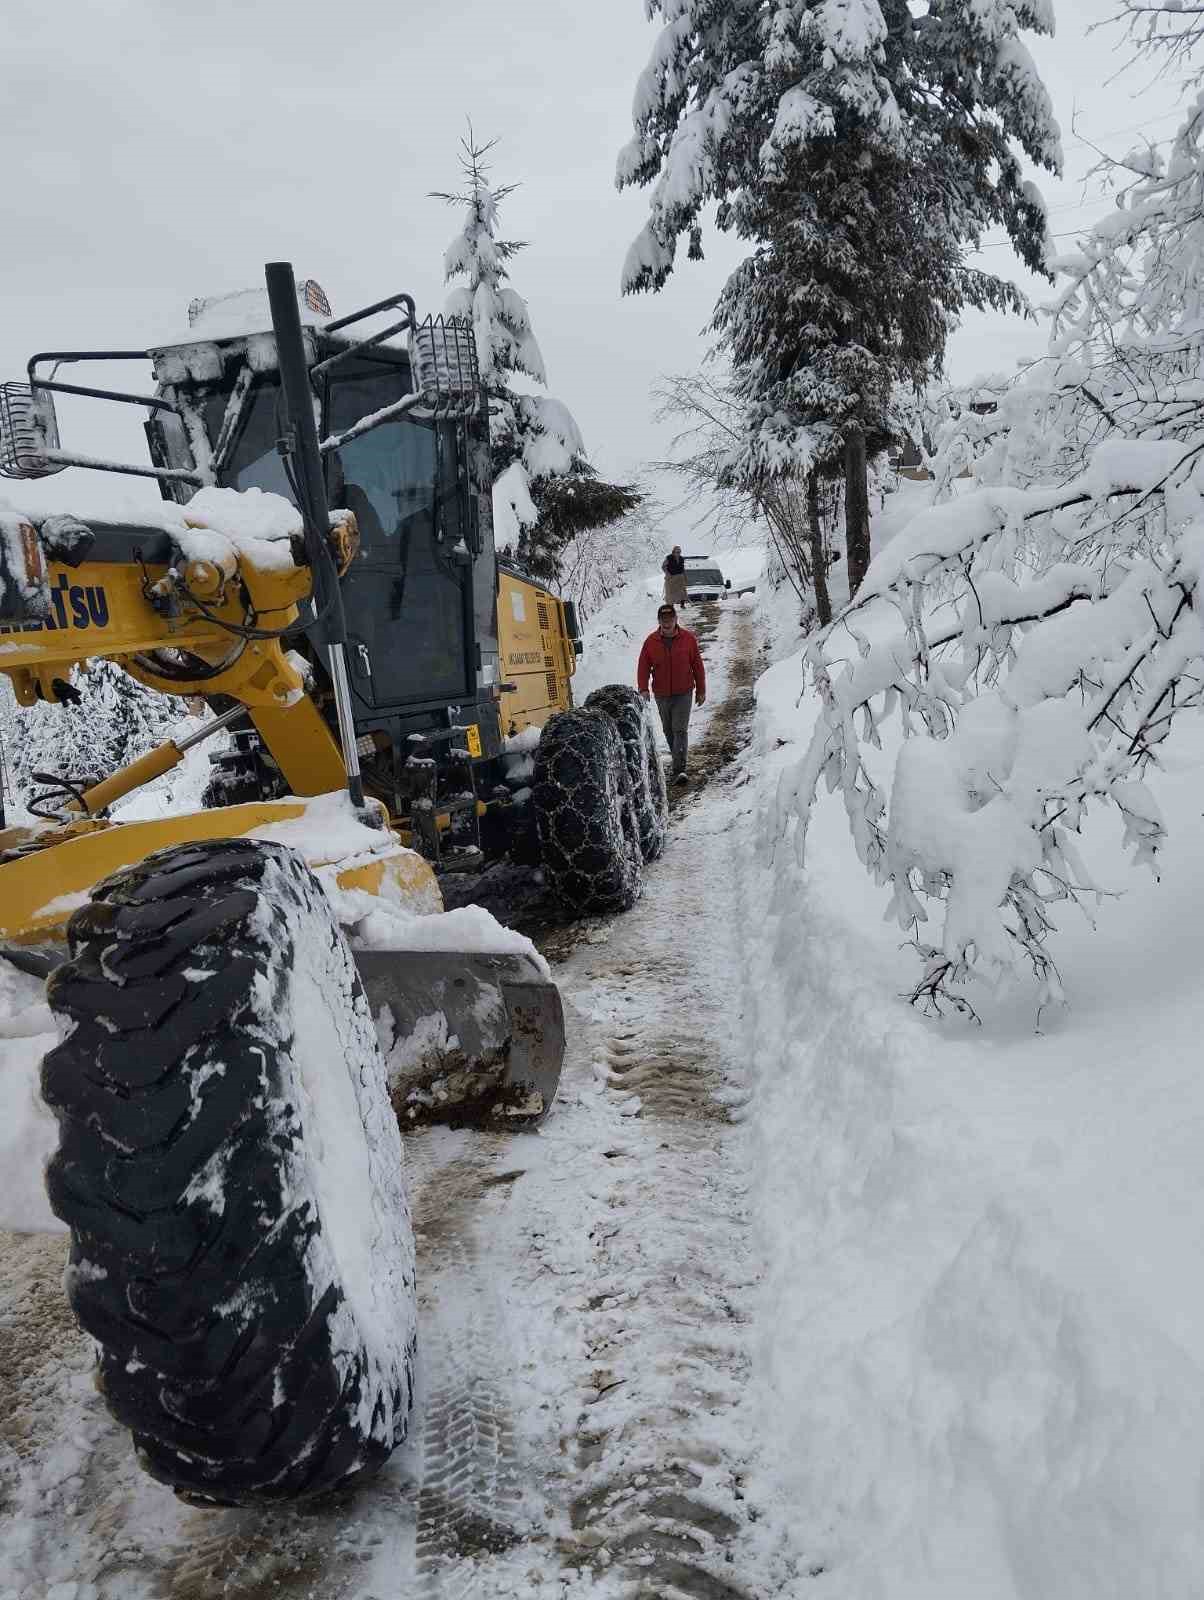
[
  {"x": 215, "y": 319},
  {"x": 242, "y": 322}
]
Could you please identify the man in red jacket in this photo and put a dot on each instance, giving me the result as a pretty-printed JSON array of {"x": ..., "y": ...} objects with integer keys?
[{"x": 670, "y": 657}]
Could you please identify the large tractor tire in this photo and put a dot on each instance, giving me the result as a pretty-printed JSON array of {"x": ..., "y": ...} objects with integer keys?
[
  {"x": 585, "y": 813},
  {"x": 231, "y": 1171},
  {"x": 629, "y": 712}
]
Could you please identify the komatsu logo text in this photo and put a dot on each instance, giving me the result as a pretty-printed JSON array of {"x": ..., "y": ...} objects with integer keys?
[{"x": 74, "y": 605}]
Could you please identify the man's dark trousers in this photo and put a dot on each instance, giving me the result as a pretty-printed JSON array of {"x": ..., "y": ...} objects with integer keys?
[{"x": 675, "y": 720}]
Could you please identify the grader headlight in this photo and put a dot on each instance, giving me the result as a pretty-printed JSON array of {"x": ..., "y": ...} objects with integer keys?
[
  {"x": 443, "y": 352},
  {"x": 29, "y": 432}
]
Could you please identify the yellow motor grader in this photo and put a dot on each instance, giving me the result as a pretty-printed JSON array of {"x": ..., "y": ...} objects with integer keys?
[{"x": 249, "y": 996}]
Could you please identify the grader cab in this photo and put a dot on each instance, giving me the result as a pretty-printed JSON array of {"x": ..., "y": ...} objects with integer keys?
[{"x": 322, "y": 573}]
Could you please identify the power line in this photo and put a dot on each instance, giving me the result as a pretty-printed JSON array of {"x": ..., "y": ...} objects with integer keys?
[
  {"x": 1073, "y": 205},
  {"x": 1099, "y": 203},
  {"x": 1000, "y": 244},
  {"x": 1111, "y": 133}
]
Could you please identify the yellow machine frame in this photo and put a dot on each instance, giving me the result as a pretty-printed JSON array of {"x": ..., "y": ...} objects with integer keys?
[
  {"x": 127, "y": 613},
  {"x": 536, "y": 653}
]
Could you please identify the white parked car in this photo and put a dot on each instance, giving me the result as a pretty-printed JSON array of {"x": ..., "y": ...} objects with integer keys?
[{"x": 706, "y": 583}]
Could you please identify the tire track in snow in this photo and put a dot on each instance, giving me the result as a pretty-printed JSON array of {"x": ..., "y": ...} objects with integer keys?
[
  {"x": 470, "y": 1502},
  {"x": 657, "y": 1504},
  {"x": 659, "y": 1494},
  {"x": 79, "y": 1517},
  {"x": 450, "y": 1498}
]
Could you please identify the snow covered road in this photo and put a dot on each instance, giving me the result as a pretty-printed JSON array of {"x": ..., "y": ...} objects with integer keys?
[
  {"x": 796, "y": 1294},
  {"x": 584, "y": 1311}
]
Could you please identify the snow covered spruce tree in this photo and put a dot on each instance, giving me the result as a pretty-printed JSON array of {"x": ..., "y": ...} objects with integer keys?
[
  {"x": 546, "y": 492},
  {"x": 1038, "y": 637},
  {"x": 858, "y": 150}
]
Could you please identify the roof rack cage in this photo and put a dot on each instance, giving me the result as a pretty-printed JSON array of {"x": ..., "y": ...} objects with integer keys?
[{"x": 394, "y": 302}]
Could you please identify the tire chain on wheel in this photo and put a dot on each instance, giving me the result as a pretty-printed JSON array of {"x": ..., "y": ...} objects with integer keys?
[
  {"x": 585, "y": 812},
  {"x": 183, "y": 1173},
  {"x": 630, "y": 713}
]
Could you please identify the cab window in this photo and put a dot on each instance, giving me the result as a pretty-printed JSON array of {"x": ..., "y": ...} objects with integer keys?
[
  {"x": 254, "y": 462},
  {"x": 387, "y": 476}
]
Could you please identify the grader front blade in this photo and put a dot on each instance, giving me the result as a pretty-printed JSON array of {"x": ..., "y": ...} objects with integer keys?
[{"x": 468, "y": 1038}]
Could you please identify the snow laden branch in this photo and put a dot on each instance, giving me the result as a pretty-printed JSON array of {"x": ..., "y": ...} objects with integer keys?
[{"x": 1035, "y": 646}]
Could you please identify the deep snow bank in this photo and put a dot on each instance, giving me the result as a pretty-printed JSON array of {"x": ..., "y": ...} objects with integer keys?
[{"x": 981, "y": 1353}]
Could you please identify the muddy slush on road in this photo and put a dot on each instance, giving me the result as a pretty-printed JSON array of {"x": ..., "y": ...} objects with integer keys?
[{"x": 584, "y": 1313}]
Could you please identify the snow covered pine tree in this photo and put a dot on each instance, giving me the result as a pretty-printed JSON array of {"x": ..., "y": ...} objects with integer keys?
[
  {"x": 545, "y": 490},
  {"x": 836, "y": 139}
]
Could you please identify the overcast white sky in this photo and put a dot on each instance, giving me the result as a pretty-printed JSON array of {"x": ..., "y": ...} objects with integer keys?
[{"x": 157, "y": 151}]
